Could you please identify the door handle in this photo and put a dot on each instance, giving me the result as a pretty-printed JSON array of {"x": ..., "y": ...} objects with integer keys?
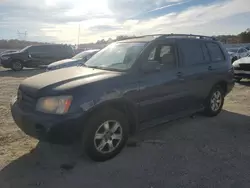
[
  {"x": 210, "y": 68},
  {"x": 179, "y": 74}
]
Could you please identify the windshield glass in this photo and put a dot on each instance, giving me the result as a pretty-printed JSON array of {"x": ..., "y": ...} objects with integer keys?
[
  {"x": 24, "y": 49},
  {"x": 116, "y": 56},
  {"x": 81, "y": 55}
]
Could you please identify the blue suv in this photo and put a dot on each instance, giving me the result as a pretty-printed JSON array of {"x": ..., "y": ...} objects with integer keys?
[{"x": 126, "y": 87}]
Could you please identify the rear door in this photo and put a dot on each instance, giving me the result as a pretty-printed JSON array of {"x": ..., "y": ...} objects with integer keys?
[
  {"x": 218, "y": 67},
  {"x": 195, "y": 70},
  {"x": 39, "y": 55}
]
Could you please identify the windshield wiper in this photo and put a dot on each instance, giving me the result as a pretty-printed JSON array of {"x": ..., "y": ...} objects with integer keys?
[{"x": 102, "y": 68}]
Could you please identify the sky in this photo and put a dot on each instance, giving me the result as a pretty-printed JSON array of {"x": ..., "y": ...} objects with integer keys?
[{"x": 58, "y": 21}]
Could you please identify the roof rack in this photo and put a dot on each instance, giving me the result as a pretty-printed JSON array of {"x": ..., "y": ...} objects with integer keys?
[
  {"x": 189, "y": 36},
  {"x": 177, "y": 35}
]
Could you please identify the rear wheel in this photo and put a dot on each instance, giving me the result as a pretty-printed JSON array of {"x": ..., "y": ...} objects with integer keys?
[
  {"x": 214, "y": 101},
  {"x": 105, "y": 135},
  {"x": 17, "y": 65}
]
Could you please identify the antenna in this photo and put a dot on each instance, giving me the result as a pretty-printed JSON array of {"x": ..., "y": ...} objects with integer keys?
[
  {"x": 79, "y": 30},
  {"x": 22, "y": 35}
]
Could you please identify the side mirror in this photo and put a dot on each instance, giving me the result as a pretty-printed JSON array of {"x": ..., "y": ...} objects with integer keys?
[
  {"x": 29, "y": 55},
  {"x": 151, "y": 66}
]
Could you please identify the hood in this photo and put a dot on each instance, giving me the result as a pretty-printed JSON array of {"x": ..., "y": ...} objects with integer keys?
[
  {"x": 7, "y": 52},
  {"x": 63, "y": 80},
  {"x": 62, "y": 62},
  {"x": 244, "y": 60},
  {"x": 11, "y": 53}
]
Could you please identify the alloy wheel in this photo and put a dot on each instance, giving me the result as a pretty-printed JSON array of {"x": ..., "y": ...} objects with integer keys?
[
  {"x": 108, "y": 136},
  {"x": 216, "y": 101}
]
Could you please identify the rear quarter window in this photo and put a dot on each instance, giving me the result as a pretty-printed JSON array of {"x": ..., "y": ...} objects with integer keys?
[{"x": 215, "y": 52}]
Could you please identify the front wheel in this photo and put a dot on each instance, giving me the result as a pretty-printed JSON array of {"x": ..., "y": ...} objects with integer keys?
[
  {"x": 105, "y": 135},
  {"x": 214, "y": 102},
  {"x": 17, "y": 66}
]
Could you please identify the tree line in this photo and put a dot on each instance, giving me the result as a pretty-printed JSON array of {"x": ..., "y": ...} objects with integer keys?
[{"x": 243, "y": 37}]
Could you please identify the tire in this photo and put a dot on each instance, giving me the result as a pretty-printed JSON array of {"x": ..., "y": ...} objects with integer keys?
[
  {"x": 106, "y": 136},
  {"x": 213, "y": 105},
  {"x": 17, "y": 65}
]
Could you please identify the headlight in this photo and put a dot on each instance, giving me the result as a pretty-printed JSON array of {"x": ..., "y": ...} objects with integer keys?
[
  {"x": 236, "y": 64},
  {"x": 5, "y": 57},
  {"x": 54, "y": 105}
]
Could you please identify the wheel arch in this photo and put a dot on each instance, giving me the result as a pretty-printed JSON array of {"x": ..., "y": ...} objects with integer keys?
[
  {"x": 129, "y": 109},
  {"x": 222, "y": 84},
  {"x": 17, "y": 59}
]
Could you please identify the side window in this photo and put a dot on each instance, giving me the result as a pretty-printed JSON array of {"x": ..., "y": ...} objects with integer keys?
[
  {"x": 151, "y": 56},
  {"x": 33, "y": 49},
  {"x": 193, "y": 52},
  {"x": 164, "y": 54},
  {"x": 38, "y": 49},
  {"x": 240, "y": 50},
  {"x": 165, "y": 50},
  {"x": 167, "y": 56},
  {"x": 205, "y": 52},
  {"x": 215, "y": 52}
]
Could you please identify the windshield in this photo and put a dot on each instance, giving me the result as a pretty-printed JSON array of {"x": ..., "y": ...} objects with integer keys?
[
  {"x": 24, "y": 49},
  {"x": 116, "y": 56},
  {"x": 81, "y": 55}
]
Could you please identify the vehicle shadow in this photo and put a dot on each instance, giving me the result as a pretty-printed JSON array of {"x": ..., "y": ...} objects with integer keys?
[
  {"x": 22, "y": 73},
  {"x": 190, "y": 152},
  {"x": 244, "y": 82}
]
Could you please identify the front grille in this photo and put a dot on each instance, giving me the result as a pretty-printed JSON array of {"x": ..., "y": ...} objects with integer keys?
[
  {"x": 26, "y": 101},
  {"x": 245, "y": 67}
]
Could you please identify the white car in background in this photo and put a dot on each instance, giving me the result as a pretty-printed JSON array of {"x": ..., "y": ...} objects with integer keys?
[
  {"x": 237, "y": 53},
  {"x": 77, "y": 60},
  {"x": 242, "y": 68}
]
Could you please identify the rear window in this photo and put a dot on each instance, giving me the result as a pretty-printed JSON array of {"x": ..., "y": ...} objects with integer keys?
[{"x": 215, "y": 52}]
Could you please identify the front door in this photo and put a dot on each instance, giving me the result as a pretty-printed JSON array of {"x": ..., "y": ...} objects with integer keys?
[
  {"x": 39, "y": 55},
  {"x": 161, "y": 92}
]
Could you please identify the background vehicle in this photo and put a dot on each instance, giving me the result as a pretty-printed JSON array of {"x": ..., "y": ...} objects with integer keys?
[
  {"x": 237, "y": 53},
  {"x": 126, "y": 87},
  {"x": 242, "y": 68},
  {"x": 35, "y": 56},
  {"x": 78, "y": 59}
]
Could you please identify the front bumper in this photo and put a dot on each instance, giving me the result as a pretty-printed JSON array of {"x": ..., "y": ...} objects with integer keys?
[
  {"x": 6, "y": 63},
  {"x": 241, "y": 74},
  {"x": 59, "y": 129}
]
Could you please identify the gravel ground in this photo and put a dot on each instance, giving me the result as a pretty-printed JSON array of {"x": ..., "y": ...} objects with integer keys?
[{"x": 191, "y": 152}]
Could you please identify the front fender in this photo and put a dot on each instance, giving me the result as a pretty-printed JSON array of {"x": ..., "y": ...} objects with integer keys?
[{"x": 124, "y": 105}]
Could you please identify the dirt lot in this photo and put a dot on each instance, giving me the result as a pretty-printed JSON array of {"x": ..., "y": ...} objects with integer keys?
[{"x": 191, "y": 152}]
